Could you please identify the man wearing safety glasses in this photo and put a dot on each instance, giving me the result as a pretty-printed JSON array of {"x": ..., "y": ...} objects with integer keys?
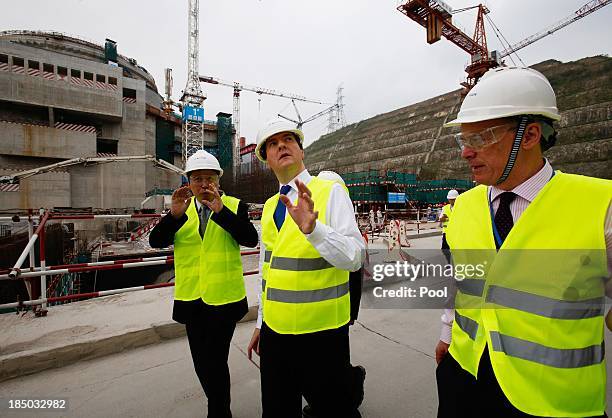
[{"x": 527, "y": 339}]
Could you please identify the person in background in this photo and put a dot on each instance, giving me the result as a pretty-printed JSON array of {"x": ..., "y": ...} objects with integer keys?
[
  {"x": 355, "y": 286},
  {"x": 379, "y": 218},
  {"x": 446, "y": 213}
]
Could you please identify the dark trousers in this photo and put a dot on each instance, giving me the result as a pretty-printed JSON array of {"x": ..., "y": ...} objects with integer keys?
[
  {"x": 461, "y": 395},
  {"x": 209, "y": 342},
  {"x": 317, "y": 363},
  {"x": 444, "y": 242}
]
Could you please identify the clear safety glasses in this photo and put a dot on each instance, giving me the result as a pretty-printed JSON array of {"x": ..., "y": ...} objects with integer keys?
[{"x": 484, "y": 138}]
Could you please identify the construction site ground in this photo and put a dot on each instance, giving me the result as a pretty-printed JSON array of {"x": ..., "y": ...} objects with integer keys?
[{"x": 122, "y": 355}]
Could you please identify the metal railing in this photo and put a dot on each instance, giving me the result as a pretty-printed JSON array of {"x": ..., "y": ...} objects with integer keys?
[{"x": 17, "y": 272}]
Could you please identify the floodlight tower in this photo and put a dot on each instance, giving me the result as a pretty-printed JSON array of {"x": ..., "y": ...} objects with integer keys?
[{"x": 193, "y": 97}]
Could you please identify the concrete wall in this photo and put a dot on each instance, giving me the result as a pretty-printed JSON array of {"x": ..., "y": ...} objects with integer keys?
[
  {"x": 37, "y": 90},
  {"x": 41, "y": 141},
  {"x": 52, "y": 189},
  {"x": 42, "y": 101}
]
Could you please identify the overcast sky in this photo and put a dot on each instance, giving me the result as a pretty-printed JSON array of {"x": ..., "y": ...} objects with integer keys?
[{"x": 309, "y": 47}]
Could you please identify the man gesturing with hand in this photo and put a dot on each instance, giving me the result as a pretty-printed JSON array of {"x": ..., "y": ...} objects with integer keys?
[
  {"x": 310, "y": 242},
  {"x": 207, "y": 228}
]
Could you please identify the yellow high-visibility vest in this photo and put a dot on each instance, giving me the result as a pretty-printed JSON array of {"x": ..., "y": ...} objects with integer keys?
[
  {"x": 302, "y": 292},
  {"x": 446, "y": 210},
  {"x": 539, "y": 307},
  {"x": 208, "y": 268}
]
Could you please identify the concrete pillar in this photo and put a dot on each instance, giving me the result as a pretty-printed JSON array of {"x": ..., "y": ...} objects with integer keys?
[{"x": 51, "y": 117}]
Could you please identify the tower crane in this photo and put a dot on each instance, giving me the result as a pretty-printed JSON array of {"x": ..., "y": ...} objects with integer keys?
[
  {"x": 238, "y": 87},
  {"x": 300, "y": 122},
  {"x": 436, "y": 17},
  {"x": 585, "y": 10},
  {"x": 193, "y": 97}
]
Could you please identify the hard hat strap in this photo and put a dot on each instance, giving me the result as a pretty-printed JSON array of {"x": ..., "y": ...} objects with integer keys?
[{"x": 516, "y": 146}]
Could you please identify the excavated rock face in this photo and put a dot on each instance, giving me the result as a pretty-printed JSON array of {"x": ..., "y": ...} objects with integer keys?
[{"x": 411, "y": 139}]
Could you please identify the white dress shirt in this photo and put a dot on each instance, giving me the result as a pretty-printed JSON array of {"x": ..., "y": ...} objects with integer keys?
[
  {"x": 338, "y": 241},
  {"x": 525, "y": 193}
]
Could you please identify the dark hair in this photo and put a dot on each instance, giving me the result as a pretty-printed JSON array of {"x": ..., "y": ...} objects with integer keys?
[{"x": 262, "y": 150}]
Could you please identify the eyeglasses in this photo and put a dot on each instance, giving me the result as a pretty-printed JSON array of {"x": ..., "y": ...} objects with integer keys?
[
  {"x": 203, "y": 179},
  {"x": 484, "y": 138}
]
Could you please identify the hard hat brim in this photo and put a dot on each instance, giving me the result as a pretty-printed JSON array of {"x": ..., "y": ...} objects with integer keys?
[{"x": 461, "y": 119}]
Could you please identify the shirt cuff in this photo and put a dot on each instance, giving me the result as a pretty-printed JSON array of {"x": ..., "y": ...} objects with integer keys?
[
  {"x": 318, "y": 234},
  {"x": 259, "y": 322},
  {"x": 445, "y": 335}
]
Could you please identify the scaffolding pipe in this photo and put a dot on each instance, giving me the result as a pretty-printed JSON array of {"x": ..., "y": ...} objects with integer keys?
[
  {"x": 135, "y": 215},
  {"x": 26, "y": 250},
  {"x": 44, "y": 301},
  {"x": 82, "y": 295},
  {"x": 55, "y": 269}
]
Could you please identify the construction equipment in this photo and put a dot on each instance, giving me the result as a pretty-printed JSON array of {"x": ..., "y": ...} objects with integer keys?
[
  {"x": 585, "y": 10},
  {"x": 15, "y": 177},
  {"x": 168, "y": 102},
  {"x": 238, "y": 87},
  {"x": 300, "y": 122},
  {"x": 193, "y": 97},
  {"x": 436, "y": 17},
  {"x": 336, "y": 118}
]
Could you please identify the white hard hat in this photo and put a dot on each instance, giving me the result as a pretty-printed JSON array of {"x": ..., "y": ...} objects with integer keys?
[
  {"x": 331, "y": 175},
  {"x": 272, "y": 128},
  {"x": 508, "y": 91},
  {"x": 202, "y": 160},
  {"x": 452, "y": 194}
]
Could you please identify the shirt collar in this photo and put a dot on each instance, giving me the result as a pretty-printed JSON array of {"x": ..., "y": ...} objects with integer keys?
[
  {"x": 304, "y": 177},
  {"x": 530, "y": 188}
]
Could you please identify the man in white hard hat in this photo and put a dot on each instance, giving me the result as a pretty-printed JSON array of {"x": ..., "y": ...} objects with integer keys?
[
  {"x": 446, "y": 213},
  {"x": 310, "y": 242},
  {"x": 527, "y": 338},
  {"x": 207, "y": 228}
]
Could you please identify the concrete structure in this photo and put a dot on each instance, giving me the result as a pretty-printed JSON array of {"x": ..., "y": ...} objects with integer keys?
[
  {"x": 62, "y": 97},
  {"x": 411, "y": 139}
]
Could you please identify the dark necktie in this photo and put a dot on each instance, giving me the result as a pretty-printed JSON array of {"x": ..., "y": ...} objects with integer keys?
[
  {"x": 203, "y": 215},
  {"x": 503, "y": 216},
  {"x": 279, "y": 212}
]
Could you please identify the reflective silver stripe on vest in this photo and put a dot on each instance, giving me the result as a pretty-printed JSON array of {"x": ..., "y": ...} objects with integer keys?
[
  {"x": 267, "y": 256},
  {"x": 472, "y": 287},
  {"x": 549, "y": 356},
  {"x": 299, "y": 264},
  {"x": 469, "y": 326},
  {"x": 263, "y": 285},
  {"x": 306, "y": 296},
  {"x": 544, "y": 306}
]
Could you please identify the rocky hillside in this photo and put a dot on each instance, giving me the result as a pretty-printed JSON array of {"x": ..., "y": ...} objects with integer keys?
[{"x": 411, "y": 139}]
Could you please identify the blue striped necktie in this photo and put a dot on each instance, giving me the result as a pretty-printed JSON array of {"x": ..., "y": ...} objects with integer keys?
[{"x": 279, "y": 212}]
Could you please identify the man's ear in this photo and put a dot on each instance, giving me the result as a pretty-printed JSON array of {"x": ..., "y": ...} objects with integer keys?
[{"x": 532, "y": 135}]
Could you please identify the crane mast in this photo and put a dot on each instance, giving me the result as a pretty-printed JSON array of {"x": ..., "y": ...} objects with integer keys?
[{"x": 193, "y": 97}]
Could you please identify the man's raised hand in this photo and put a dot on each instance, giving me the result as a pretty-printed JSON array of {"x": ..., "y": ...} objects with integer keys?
[
  {"x": 180, "y": 201},
  {"x": 302, "y": 212}
]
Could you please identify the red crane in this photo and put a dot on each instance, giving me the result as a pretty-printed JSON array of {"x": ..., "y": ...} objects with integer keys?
[{"x": 436, "y": 17}]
